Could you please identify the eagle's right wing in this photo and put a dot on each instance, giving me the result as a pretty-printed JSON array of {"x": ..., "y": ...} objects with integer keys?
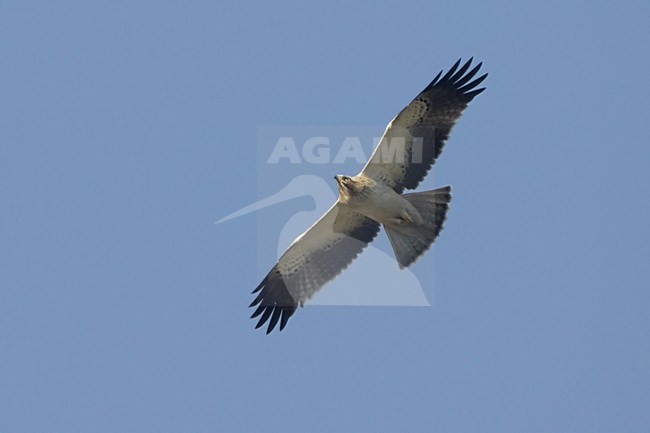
[
  {"x": 415, "y": 137},
  {"x": 312, "y": 260}
]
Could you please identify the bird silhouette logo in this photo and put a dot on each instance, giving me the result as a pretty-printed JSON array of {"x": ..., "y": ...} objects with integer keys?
[{"x": 372, "y": 279}]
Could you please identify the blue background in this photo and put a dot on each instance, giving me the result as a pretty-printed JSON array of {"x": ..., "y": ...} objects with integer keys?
[{"x": 128, "y": 128}]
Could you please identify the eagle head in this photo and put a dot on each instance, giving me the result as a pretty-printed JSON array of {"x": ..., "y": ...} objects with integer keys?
[{"x": 348, "y": 186}]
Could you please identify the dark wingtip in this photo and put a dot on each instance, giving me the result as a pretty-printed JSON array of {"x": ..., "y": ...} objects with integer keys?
[
  {"x": 258, "y": 288},
  {"x": 433, "y": 82},
  {"x": 285, "y": 318},
  {"x": 473, "y": 84},
  {"x": 274, "y": 319},
  {"x": 459, "y": 79},
  {"x": 462, "y": 81},
  {"x": 461, "y": 71},
  {"x": 273, "y": 302},
  {"x": 451, "y": 71},
  {"x": 258, "y": 311},
  {"x": 264, "y": 317},
  {"x": 471, "y": 95},
  {"x": 256, "y": 301}
]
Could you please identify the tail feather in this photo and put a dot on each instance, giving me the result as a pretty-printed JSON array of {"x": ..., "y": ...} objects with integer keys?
[{"x": 411, "y": 241}]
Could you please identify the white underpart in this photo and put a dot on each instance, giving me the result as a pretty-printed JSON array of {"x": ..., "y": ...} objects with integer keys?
[{"x": 384, "y": 205}]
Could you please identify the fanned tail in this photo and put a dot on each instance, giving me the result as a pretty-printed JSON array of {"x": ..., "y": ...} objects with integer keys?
[{"x": 411, "y": 241}]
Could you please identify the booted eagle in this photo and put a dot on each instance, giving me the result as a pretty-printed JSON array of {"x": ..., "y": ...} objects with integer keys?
[{"x": 405, "y": 153}]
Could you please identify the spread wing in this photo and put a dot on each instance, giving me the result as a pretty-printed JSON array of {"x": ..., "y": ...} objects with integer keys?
[
  {"x": 415, "y": 137},
  {"x": 313, "y": 259}
]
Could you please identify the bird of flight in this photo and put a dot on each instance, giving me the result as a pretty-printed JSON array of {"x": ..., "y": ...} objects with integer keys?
[{"x": 405, "y": 153}]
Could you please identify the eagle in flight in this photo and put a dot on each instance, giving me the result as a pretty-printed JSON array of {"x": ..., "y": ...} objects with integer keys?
[{"x": 405, "y": 153}]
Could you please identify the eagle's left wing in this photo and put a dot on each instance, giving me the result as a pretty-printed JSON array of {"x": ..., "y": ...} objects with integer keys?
[
  {"x": 312, "y": 260},
  {"x": 415, "y": 137}
]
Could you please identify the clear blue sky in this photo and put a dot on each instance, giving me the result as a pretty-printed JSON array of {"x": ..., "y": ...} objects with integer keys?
[{"x": 128, "y": 128}]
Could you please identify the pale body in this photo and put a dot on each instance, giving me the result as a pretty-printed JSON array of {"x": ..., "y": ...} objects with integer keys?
[{"x": 376, "y": 200}]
